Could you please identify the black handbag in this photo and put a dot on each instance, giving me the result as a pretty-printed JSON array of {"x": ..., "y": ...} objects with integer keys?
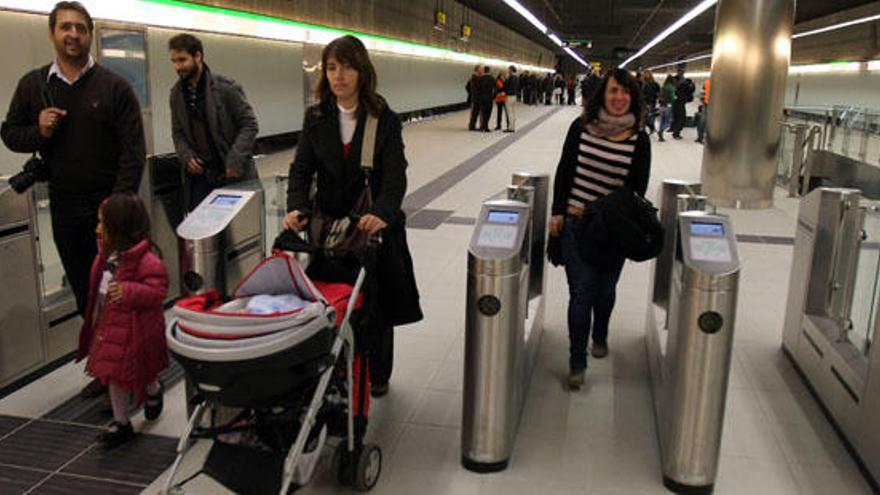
[{"x": 337, "y": 237}]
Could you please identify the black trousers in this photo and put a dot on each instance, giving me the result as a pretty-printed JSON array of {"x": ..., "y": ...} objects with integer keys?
[
  {"x": 475, "y": 112},
  {"x": 501, "y": 107},
  {"x": 73, "y": 228},
  {"x": 679, "y": 114},
  {"x": 381, "y": 354},
  {"x": 485, "y": 114}
]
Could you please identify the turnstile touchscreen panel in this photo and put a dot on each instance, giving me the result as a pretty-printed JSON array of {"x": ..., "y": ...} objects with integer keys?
[
  {"x": 225, "y": 200},
  {"x": 503, "y": 216},
  {"x": 707, "y": 229},
  {"x": 497, "y": 236}
]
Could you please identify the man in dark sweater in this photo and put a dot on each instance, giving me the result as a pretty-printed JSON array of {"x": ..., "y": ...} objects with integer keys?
[
  {"x": 85, "y": 122},
  {"x": 213, "y": 125},
  {"x": 485, "y": 96}
]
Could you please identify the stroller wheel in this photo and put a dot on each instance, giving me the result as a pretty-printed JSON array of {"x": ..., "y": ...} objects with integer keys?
[{"x": 369, "y": 467}]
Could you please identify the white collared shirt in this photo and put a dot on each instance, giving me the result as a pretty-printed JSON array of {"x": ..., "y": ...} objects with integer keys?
[{"x": 55, "y": 69}]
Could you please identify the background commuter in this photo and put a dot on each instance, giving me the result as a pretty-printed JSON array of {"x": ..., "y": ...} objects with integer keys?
[
  {"x": 667, "y": 98},
  {"x": 501, "y": 100},
  {"x": 472, "y": 96},
  {"x": 549, "y": 86},
  {"x": 559, "y": 89},
  {"x": 570, "y": 88},
  {"x": 514, "y": 97},
  {"x": 485, "y": 97},
  {"x": 123, "y": 334},
  {"x": 650, "y": 92},
  {"x": 330, "y": 148},
  {"x": 85, "y": 122},
  {"x": 700, "y": 118},
  {"x": 684, "y": 94},
  {"x": 604, "y": 150},
  {"x": 213, "y": 125}
]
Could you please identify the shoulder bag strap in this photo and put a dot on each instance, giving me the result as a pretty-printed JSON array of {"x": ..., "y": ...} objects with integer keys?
[{"x": 369, "y": 144}]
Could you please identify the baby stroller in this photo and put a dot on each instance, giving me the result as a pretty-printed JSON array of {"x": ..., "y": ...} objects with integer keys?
[{"x": 292, "y": 372}]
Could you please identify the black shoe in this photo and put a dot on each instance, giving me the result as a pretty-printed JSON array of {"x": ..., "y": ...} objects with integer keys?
[
  {"x": 698, "y": 141},
  {"x": 676, "y": 137},
  {"x": 116, "y": 435},
  {"x": 660, "y": 138},
  {"x": 600, "y": 350},
  {"x": 94, "y": 389},
  {"x": 508, "y": 130},
  {"x": 378, "y": 390},
  {"x": 576, "y": 378},
  {"x": 154, "y": 403}
]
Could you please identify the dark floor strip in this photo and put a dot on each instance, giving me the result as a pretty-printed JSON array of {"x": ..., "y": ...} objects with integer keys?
[
  {"x": 95, "y": 411},
  {"x": 31, "y": 456},
  {"x": 423, "y": 196},
  {"x": 428, "y": 219}
]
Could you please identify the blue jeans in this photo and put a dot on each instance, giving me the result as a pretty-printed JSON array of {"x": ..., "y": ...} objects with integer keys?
[
  {"x": 665, "y": 119},
  {"x": 591, "y": 290}
]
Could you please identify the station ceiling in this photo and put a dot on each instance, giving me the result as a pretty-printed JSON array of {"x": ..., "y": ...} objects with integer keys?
[{"x": 618, "y": 28}]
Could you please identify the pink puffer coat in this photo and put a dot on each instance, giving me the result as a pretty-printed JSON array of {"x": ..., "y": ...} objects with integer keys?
[{"x": 127, "y": 343}]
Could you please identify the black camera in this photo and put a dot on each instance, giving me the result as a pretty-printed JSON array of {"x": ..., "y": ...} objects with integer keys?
[{"x": 34, "y": 170}]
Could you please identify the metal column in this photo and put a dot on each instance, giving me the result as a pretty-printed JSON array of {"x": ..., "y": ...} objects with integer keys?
[{"x": 750, "y": 62}]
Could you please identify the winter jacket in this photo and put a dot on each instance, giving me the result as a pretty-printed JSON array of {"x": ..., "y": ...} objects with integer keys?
[
  {"x": 126, "y": 345},
  {"x": 500, "y": 91},
  {"x": 340, "y": 182},
  {"x": 231, "y": 122}
]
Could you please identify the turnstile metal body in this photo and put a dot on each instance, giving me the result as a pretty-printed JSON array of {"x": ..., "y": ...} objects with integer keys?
[
  {"x": 223, "y": 239},
  {"x": 504, "y": 320},
  {"x": 834, "y": 265},
  {"x": 21, "y": 341},
  {"x": 690, "y": 348},
  {"x": 36, "y": 327}
]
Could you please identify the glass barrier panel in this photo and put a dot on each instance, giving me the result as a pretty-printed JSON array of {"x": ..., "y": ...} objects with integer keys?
[
  {"x": 864, "y": 306},
  {"x": 275, "y": 194},
  {"x": 124, "y": 52},
  {"x": 784, "y": 158},
  {"x": 53, "y": 282}
]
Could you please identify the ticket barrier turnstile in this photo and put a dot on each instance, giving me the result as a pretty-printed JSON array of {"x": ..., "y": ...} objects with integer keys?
[
  {"x": 223, "y": 239},
  {"x": 833, "y": 316},
  {"x": 503, "y": 322},
  {"x": 36, "y": 329},
  {"x": 690, "y": 346}
]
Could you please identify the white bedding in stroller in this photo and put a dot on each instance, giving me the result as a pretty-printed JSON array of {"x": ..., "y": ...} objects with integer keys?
[{"x": 274, "y": 300}]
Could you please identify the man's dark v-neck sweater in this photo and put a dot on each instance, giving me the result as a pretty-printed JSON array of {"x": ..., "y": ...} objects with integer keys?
[{"x": 98, "y": 147}]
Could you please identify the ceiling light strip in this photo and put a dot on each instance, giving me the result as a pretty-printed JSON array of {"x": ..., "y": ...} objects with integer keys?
[
  {"x": 518, "y": 7},
  {"x": 177, "y": 14},
  {"x": 521, "y": 10},
  {"x": 804, "y": 34},
  {"x": 826, "y": 68},
  {"x": 688, "y": 17},
  {"x": 835, "y": 27}
]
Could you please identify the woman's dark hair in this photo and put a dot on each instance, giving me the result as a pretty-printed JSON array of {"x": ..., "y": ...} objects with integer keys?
[
  {"x": 126, "y": 222},
  {"x": 187, "y": 43},
  {"x": 597, "y": 100},
  {"x": 349, "y": 50}
]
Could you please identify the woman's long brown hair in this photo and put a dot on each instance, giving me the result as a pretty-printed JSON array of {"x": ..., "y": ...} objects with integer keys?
[{"x": 350, "y": 50}]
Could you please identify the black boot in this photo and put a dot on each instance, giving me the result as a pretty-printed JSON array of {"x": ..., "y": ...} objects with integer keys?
[{"x": 116, "y": 435}]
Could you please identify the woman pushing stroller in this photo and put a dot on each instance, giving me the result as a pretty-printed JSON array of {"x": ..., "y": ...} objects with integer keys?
[{"x": 330, "y": 147}]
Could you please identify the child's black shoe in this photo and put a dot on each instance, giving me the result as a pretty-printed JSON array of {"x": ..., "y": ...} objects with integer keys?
[
  {"x": 116, "y": 435},
  {"x": 154, "y": 403}
]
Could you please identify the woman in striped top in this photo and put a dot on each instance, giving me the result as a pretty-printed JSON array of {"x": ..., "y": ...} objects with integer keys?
[{"x": 605, "y": 148}]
